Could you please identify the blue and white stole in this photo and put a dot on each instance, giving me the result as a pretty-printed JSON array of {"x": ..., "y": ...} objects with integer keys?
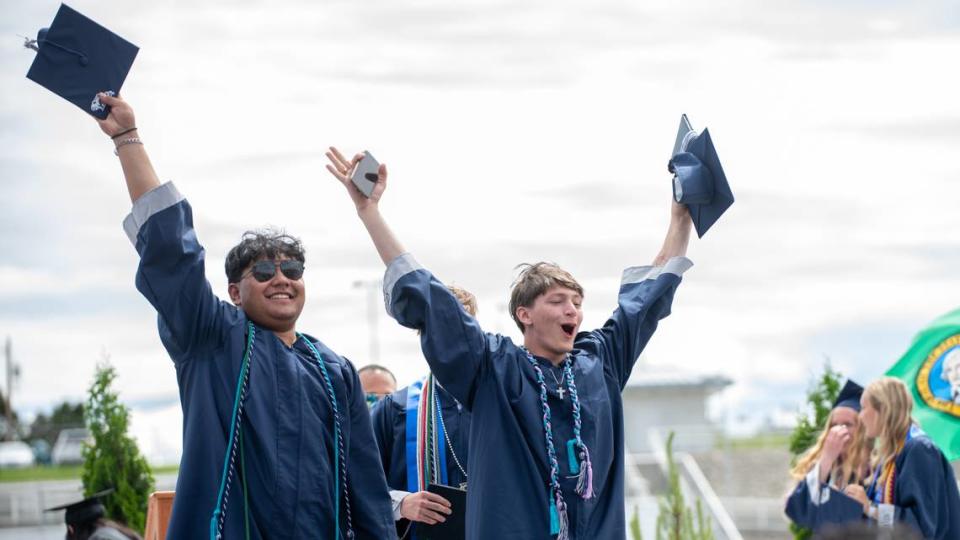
[{"x": 425, "y": 438}]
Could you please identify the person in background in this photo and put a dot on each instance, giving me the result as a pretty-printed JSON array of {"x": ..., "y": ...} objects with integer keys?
[
  {"x": 840, "y": 457},
  {"x": 377, "y": 382},
  {"x": 431, "y": 450},
  {"x": 911, "y": 481}
]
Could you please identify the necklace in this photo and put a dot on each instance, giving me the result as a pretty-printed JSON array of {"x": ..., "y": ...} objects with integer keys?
[
  {"x": 463, "y": 485},
  {"x": 560, "y": 388}
]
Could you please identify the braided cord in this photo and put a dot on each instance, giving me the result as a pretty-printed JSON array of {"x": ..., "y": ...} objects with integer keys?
[
  {"x": 230, "y": 458},
  {"x": 585, "y": 476},
  {"x": 551, "y": 451},
  {"x": 340, "y": 454}
]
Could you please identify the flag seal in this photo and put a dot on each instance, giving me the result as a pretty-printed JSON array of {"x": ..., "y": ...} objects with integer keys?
[{"x": 938, "y": 381}]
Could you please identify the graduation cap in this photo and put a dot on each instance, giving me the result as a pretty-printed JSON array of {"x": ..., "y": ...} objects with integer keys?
[
  {"x": 77, "y": 58},
  {"x": 85, "y": 511},
  {"x": 849, "y": 396},
  {"x": 698, "y": 180}
]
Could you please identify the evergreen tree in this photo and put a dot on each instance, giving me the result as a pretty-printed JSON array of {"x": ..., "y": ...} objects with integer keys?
[
  {"x": 65, "y": 415},
  {"x": 820, "y": 397},
  {"x": 675, "y": 520},
  {"x": 114, "y": 461},
  {"x": 635, "y": 525}
]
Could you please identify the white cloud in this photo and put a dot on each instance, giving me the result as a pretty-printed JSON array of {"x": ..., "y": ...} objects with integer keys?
[{"x": 512, "y": 132}]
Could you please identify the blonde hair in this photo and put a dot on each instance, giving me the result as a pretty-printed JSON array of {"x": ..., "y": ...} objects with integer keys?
[
  {"x": 466, "y": 298},
  {"x": 850, "y": 466},
  {"x": 892, "y": 401},
  {"x": 536, "y": 279}
]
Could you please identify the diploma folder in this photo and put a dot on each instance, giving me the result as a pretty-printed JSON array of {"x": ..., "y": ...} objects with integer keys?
[{"x": 454, "y": 528}]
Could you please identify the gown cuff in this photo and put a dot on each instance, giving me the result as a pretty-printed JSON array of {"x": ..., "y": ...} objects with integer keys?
[
  {"x": 398, "y": 267},
  {"x": 676, "y": 266},
  {"x": 396, "y": 497},
  {"x": 156, "y": 200}
]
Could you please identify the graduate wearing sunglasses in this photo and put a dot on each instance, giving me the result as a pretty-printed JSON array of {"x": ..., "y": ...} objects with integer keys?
[{"x": 277, "y": 440}]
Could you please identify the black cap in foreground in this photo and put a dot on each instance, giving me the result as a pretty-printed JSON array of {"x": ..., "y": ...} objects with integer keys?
[{"x": 699, "y": 181}]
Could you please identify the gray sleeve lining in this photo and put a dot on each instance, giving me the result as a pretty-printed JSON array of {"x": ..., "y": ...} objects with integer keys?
[
  {"x": 150, "y": 203},
  {"x": 399, "y": 267},
  {"x": 636, "y": 274}
]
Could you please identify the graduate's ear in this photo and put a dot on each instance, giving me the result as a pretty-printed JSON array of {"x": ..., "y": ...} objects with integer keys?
[
  {"x": 523, "y": 315},
  {"x": 234, "y": 290}
]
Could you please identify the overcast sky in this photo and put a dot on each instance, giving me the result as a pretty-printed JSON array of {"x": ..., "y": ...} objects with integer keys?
[{"x": 514, "y": 131}]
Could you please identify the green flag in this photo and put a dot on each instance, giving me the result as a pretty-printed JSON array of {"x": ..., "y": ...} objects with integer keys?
[{"x": 931, "y": 370}]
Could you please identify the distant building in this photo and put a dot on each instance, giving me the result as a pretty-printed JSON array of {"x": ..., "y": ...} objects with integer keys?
[{"x": 666, "y": 399}]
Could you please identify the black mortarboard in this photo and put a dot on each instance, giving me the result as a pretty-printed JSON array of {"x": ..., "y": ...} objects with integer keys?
[
  {"x": 698, "y": 180},
  {"x": 77, "y": 58},
  {"x": 849, "y": 396},
  {"x": 85, "y": 511}
]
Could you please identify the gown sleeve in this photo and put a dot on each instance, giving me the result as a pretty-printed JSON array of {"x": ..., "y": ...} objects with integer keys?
[
  {"x": 171, "y": 272},
  {"x": 646, "y": 295},
  {"x": 452, "y": 342},
  {"x": 382, "y": 418},
  {"x": 812, "y": 504}
]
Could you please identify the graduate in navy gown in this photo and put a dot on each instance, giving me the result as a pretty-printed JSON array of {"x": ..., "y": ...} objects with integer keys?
[
  {"x": 547, "y": 430},
  {"x": 840, "y": 457},
  {"x": 277, "y": 441},
  {"x": 423, "y": 431},
  {"x": 911, "y": 481}
]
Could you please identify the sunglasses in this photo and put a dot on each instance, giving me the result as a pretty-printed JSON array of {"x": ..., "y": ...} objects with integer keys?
[{"x": 264, "y": 270}]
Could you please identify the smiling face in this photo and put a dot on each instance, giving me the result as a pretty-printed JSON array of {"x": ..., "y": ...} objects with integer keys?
[
  {"x": 275, "y": 304},
  {"x": 552, "y": 322}
]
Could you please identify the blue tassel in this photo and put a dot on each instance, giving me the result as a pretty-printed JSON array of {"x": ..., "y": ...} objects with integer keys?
[{"x": 572, "y": 460}]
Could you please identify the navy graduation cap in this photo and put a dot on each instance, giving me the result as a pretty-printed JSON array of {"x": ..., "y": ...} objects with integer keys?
[
  {"x": 77, "y": 58},
  {"x": 698, "y": 179},
  {"x": 85, "y": 511},
  {"x": 849, "y": 396}
]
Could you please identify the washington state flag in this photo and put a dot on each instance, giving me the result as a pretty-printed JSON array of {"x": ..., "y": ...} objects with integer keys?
[{"x": 931, "y": 369}]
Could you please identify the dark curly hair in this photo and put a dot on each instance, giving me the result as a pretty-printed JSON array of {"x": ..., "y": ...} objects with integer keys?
[{"x": 259, "y": 244}]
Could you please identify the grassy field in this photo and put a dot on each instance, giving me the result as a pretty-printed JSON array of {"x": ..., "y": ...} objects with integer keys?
[
  {"x": 763, "y": 440},
  {"x": 65, "y": 472}
]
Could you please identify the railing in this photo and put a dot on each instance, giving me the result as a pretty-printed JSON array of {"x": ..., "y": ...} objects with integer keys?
[{"x": 694, "y": 483}]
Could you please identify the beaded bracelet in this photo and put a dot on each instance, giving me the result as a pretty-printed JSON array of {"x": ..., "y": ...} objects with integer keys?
[{"x": 124, "y": 142}]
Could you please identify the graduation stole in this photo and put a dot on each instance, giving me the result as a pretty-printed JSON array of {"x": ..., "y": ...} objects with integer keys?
[{"x": 425, "y": 437}]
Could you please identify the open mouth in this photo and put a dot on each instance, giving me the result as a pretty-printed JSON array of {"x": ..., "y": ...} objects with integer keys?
[
  {"x": 568, "y": 329},
  {"x": 280, "y": 296}
]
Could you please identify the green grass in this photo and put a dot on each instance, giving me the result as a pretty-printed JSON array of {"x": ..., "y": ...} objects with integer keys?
[
  {"x": 763, "y": 440},
  {"x": 64, "y": 472}
]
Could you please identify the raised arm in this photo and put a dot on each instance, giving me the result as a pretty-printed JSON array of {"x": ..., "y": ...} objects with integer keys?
[
  {"x": 451, "y": 340},
  {"x": 121, "y": 126},
  {"x": 678, "y": 235},
  {"x": 368, "y": 209},
  {"x": 171, "y": 274}
]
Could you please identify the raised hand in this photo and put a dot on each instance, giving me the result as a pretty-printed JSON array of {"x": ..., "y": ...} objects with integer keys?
[
  {"x": 425, "y": 507},
  {"x": 121, "y": 116},
  {"x": 341, "y": 168},
  {"x": 838, "y": 438}
]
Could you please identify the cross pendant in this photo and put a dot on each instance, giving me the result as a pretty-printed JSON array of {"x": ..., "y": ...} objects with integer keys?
[{"x": 560, "y": 392}]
